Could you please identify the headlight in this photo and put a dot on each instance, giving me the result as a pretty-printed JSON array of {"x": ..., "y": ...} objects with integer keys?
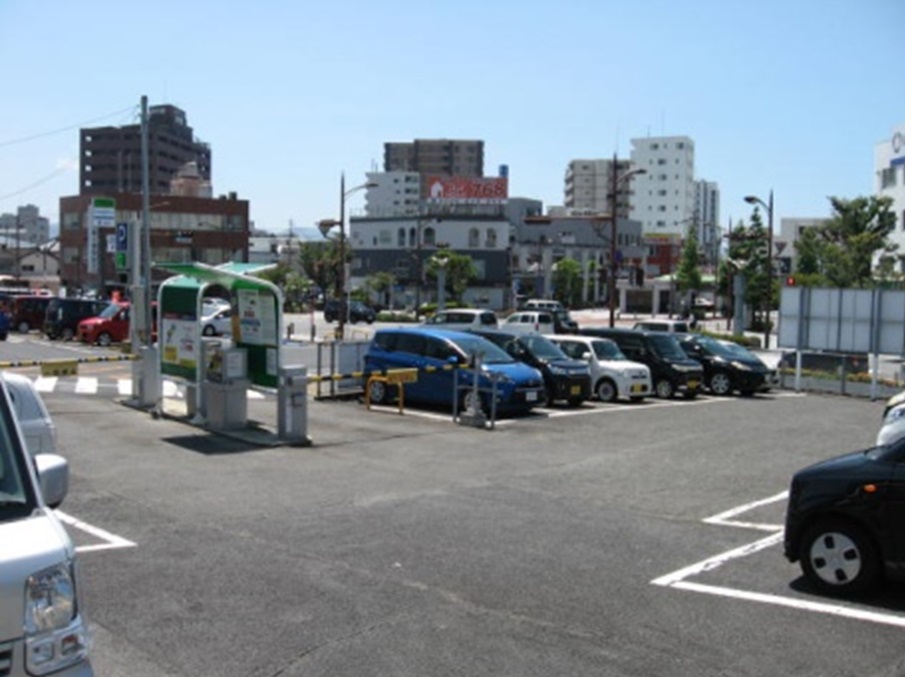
[
  {"x": 741, "y": 366},
  {"x": 54, "y": 635},
  {"x": 558, "y": 371}
]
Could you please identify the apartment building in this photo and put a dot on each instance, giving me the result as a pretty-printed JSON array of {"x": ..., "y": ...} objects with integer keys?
[
  {"x": 664, "y": 197},
  {"x": 588, "y": 184},
  {"x": 110, "y": 157},
  {"x": 436, "y": 157}
]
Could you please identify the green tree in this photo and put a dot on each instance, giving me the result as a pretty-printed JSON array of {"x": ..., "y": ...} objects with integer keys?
[
  {"x": 567, "y": 281},
  {"x": 688, "y": 275},
  {"x": 381, "y": 283},
  {"x": 460, "y": 270},
  {"x": 320, "y": 261},
  {"x": 858, "y": 230}
]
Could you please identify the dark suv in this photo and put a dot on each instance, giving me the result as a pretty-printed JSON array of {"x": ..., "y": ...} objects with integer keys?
[
  {"x": 671, "y": 370},
  {"x": 358, "y": 311},
  {"x": 564, "y": 378},
  {"x": 844, "y": 519},
  {"x": 61, "y": 320}
]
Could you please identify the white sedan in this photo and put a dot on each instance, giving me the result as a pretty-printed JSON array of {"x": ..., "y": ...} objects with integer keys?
[{"x": 217, "y": 323}]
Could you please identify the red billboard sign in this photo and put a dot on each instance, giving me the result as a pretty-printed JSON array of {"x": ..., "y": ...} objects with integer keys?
[{"x": 469, "y": 189}]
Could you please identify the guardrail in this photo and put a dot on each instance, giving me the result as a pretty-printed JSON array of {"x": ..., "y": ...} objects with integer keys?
[{"x": 63, "y": 366}]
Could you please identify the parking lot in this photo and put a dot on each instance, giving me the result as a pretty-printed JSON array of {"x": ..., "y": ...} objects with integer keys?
[{"x": 609, "y": 539}]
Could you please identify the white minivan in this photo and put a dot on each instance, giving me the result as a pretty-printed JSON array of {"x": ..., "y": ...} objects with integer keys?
[
  {"x": 613, "y": 375},
  {"x": 42, "y": 630}
]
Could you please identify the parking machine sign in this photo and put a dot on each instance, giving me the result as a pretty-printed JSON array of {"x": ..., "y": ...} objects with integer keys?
[{"x": 122, "y": 245}]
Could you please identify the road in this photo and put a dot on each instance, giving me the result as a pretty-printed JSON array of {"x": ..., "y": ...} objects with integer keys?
[{"x": 611, "y": 540}]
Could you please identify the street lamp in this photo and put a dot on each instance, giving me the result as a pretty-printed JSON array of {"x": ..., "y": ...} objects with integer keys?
[
  {"x": 754, "y": 200},
  {"x": 611, "y": 281},
  {"x": 342, "y": 277}
]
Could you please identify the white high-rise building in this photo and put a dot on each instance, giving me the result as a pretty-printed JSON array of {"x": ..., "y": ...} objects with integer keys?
[
  {"x": 588, "y": 184},
  {"x": 889, "y": 169},
  {"x": 664, "y": 197},
  {"x": 707, "y": 218},
  {"x": 396, "y": 193}
]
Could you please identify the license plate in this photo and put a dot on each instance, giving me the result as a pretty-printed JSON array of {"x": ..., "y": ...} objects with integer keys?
[
  {"x": 693, "y": 384},
  {"x": 531, "y": 396},
  {"x": 575, "y": 390},
  {"x": 637, "y": 388}
]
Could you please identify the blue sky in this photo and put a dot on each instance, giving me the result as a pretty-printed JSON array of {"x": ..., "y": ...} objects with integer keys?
[{"x": 790, "y": 96}]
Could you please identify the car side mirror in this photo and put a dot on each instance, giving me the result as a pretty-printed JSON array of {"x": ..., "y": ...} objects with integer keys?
[
  {"x": 53, "y": 475},
  {"x": 586, "y": 356}
]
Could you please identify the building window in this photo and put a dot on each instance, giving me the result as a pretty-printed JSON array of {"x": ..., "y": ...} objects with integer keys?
[
  {"x": 888, "y": 177},
  {"x": 490, "y": 242},
  {"x": 474, "y": 238},
  {"x": 430, "y": 237},
  {"x": 400, "y": 237}
]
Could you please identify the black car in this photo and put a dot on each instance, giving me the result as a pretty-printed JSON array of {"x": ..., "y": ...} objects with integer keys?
[
  {"x": 728, "y": 366},
  {"x": 844, "y": 519},
  {"x": 563, "y": 322},
  {"x": 671, "y": 370},
  {"x": 358, "y": 311},
  {"x": 564, "y": 378}
]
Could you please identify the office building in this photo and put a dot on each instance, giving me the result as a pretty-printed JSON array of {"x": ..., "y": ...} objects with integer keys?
[
  {"x": 110, "y": 157},
  {"x": 889, "y": 172}
]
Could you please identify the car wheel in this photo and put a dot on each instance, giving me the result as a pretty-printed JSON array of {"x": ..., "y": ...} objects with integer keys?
[
  {"x": 721, "y": 384},
  {"x": 67, "y": 334},
  {"x": 208, "y": 330},
  {"x": 24, "y": 327},
  {"x": 104, "y": 340},
  {"x": 664, "y": 389},
  {"x": 839, "y": 558},
  {"x": 606, "y": 390},
  {"x": 377, "y": 392}
]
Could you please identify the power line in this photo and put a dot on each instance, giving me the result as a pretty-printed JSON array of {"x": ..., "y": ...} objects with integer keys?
[
  {"x": 78, "y": 125},
  {"x": 37, "y": 183}
]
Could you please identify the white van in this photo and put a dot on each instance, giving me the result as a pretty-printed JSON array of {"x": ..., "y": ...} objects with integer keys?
[
  {"x": 542, "y": 304},
  {"x": 42, "y": 630},
  {"x": 462, "y": 319},
  {"x": 613, "y": 375},
  {"x": 530, "y": 321}
]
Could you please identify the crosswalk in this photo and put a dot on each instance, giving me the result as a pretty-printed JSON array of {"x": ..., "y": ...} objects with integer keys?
[{"x": 121, "y": 387}]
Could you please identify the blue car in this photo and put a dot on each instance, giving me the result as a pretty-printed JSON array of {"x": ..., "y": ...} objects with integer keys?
[
  {"x": 4, "y": 324},
  {"x": 437, "y": 354}
]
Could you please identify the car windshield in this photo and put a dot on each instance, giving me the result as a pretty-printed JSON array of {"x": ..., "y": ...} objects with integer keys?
[
  {"x": 607, "y": 350},
  {"x": 543, "y": 348},
  {"x": 667, "y": 347},
  {"x": 737, "y": 351},
  {"x": 493, "y": 354},
  {"x": 110, "y": 311}
]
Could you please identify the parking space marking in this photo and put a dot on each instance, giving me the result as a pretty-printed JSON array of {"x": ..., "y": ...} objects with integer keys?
[
  {"x": 678, "y": 579},
  {"x": 724, "y": 518},
  {"x": 111, "y": 541}
]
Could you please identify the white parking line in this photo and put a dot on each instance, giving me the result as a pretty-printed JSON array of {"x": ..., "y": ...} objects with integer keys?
[
  {"x": 111, "y": 540},
  {"x": 678, "y": 579}
]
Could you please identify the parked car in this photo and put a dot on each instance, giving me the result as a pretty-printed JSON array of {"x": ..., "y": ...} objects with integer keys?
[
  {"x": 61, "y": 321},
  {"x": 530, "y": 321},
  {"x": 358, "y": 311},
  {"x": 463, "y": 318},
  {"x": 542, "y": 304},
  {"x": 728, "y": 366},
  {"x": 564, "y": 378},
  {"x": 4, "y": 324},
  {"x": 893, "y": 426},
  {"x": 844, "y": 519},
  {"x": 43, "y": 630},
  {"x": 613, "y": 375},
  {"x": 671, "y": 369},
  {"x": 436, "y": 353},
  {"x": 37, "y": 426},
  {"x": 218, "y": 322},
  {"x": 563, "y": 322},
  {"x": 672, "y": 326},
  {"x": 111, "y": 325},
  {"x": 27, "y": 312}
]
